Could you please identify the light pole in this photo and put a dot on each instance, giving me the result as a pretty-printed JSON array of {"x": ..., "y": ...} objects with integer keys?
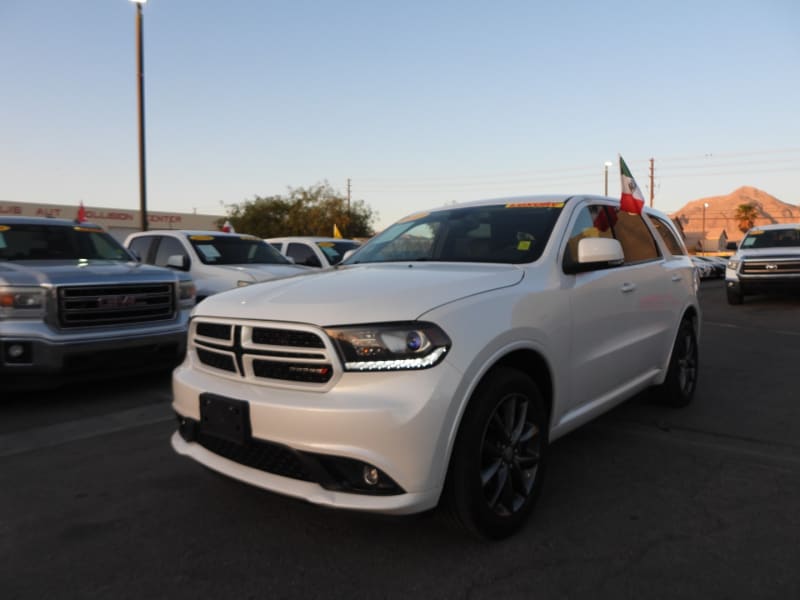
[
  {"x": 605, "y": 177},
  {"x": 140, "y": 93},
  {"x": 703, "y": 241}
]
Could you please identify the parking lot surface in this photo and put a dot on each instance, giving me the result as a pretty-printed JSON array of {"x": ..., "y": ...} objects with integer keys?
[{"x": 644, "y": 502}]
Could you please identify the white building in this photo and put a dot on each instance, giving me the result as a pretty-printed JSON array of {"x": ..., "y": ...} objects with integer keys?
[{"x": 119, "y": 222}]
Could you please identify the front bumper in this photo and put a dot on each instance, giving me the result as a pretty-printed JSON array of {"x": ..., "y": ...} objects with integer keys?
[
  {"x": 33, "y": 354},
  {"x": 402, "y": 423}
]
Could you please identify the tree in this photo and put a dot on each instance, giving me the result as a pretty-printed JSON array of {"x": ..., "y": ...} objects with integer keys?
[
  {"x": 311, "y": 211},
  {"x": 746, "y": 214}
]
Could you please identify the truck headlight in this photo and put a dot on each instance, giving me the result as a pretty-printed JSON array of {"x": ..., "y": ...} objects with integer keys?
[
  {"x": 187, "y": 292},
  {"x": 390, "y": 346},
  {"x": 21, "y": 302},
  {"x": 733, "y": 264}
]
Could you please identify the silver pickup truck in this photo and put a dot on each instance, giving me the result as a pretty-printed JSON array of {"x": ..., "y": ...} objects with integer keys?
[{"x": 74, "y": 303}]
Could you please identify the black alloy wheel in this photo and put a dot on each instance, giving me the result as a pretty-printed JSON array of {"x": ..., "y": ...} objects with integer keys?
[
  {"x": 498, "y": 460},
  {"x": 681, "y": 381}
]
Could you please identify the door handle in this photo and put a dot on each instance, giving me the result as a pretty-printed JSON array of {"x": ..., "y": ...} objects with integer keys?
[
  {"x": 676, "y": 278},
  {"x": 627, "y": 287}
]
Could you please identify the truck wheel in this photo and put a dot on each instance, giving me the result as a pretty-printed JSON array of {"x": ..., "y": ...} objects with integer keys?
[
  {"x": 498, "y": 460},
  {"x": 681, "y": 381},
  {"x": 734, "y": 297}
]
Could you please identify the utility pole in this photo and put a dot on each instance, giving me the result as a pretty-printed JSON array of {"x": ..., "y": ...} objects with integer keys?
[
  {"x": 348, "y": 207},
  {"x": 652, "y": 191}
]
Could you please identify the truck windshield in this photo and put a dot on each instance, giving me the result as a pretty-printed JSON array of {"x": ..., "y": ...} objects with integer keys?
[
  {"x": 235, "y": 250},
  {"x": 772, "y": 238},
  {"x": 505, "y": 233},
  {"x": 58, "y": 242}
]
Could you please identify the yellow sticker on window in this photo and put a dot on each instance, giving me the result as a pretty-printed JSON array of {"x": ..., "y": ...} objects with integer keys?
[
  {"x": 89, "y": 229},
  {"x": 524, "y": 245},
  {"x": 249, "y": 237},
  {"x": 201, "y": 238},
  {"x": 535, "y": 205},
  {"x": 4, "y": 227},
  {"x": 757, "y": 232},
  {"x": 325, "y": 244}
]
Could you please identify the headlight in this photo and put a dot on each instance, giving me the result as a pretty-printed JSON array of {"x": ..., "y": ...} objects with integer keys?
[
  {"x": 187, "y": 291},
  {"x": 733, "y": 264},
  {"x": 21, "y": 302},
  {"x": 390, "y": 346}
]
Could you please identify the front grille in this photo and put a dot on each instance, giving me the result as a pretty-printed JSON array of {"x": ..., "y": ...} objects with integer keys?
[
  {"x": 258, "y": 454},
  {"x": 264, "y": 354},
  {"x": 776, "y": 266},
  {"x": 94, "y": 306}
]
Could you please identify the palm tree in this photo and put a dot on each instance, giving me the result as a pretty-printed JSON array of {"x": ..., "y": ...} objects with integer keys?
[{"x": 746, "y": 214}]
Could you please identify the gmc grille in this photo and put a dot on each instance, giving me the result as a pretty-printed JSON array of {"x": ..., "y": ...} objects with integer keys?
[
  {"x": 95, "y": 306},
  {"x": 263, "y": 354}
]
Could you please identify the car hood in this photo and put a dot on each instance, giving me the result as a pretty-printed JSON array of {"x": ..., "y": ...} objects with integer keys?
[
  {"x": 368, "y": 293},
  {"x": 263, "y": 272},
  {"x": 66, "y": 272}
]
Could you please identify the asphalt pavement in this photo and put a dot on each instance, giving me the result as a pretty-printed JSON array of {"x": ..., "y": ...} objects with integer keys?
[{"x": 645, "y": 502}]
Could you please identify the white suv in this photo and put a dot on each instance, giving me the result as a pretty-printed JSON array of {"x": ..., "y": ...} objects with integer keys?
[
  {"x": 438, "y": 361},
  {"x": 768, "y": 259},
  {"x": 215, "y": 260}
]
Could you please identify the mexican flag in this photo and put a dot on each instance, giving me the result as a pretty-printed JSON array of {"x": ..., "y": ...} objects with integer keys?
[{"x": 632, "y": 200}]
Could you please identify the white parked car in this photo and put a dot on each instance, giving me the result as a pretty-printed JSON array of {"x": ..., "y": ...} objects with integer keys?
[
  {"x": 437, "y": 363},
  {"x": 768, "y": 260},
  {"x": 215, "y": 260},
  {"x": 318, "y": 252}
]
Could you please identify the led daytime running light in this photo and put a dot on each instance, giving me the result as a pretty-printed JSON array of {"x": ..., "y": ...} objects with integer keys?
[{"x": 399, "y": 364}]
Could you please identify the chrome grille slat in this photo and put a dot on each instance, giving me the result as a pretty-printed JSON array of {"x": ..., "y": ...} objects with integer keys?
[{"x": 95, "y": 306}]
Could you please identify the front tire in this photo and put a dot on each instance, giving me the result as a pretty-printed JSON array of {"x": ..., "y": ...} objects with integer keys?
[
  {"x": 681, "y": 381},
  {"x": 498, "y": 460}
]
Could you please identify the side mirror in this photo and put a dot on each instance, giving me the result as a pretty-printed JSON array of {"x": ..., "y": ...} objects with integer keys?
[
  {"x": 178, "y": 261},
  {"x": 595, "y": 254}
]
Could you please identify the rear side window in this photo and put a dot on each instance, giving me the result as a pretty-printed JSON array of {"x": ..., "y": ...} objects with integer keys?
[
  {"x": 637, "y": 241},
  {"x": 168, "y": 247},
  {"x": 668, "y": 236},
  {"x": 141, "y": 246}
]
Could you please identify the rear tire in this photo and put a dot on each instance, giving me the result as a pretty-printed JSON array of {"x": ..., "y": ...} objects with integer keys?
[
  {"x": 498, "y": 460},
  {"x": 681, "y": 381}
]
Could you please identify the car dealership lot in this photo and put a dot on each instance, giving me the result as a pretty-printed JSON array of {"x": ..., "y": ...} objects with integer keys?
[{"x": 644, "y": 502}]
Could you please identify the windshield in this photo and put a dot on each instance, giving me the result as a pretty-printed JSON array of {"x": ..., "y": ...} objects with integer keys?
[
  {"x": 235, "y": 250},
  {"x": 334, "y": 251},
  {"x": 58, "y": 242},
  {"x": 772, "y": 238},
  {"x": 506, "y": 233}
]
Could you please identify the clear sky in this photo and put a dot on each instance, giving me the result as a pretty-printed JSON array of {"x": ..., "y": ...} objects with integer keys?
[{"x": 419, "y": 103}]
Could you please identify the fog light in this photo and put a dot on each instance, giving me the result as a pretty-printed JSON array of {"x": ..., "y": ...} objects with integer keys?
[
  {"x": 17, "y": 352},
  {"x": 371, "y": 475}
]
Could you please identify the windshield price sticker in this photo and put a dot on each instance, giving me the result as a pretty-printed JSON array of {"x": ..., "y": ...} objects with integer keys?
[
  {"x": 202, "y": 238},
  {"x": 535, "y": 205}
]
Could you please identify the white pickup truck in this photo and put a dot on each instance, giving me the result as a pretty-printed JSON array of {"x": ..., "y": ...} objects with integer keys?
[{"x": 768, "y": 260}]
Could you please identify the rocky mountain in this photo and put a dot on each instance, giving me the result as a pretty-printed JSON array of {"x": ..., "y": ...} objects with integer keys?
[{"x": 720, "y": 215}]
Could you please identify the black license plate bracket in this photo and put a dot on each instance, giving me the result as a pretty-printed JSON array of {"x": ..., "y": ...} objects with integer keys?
[{"x": 225, "y": 418}]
